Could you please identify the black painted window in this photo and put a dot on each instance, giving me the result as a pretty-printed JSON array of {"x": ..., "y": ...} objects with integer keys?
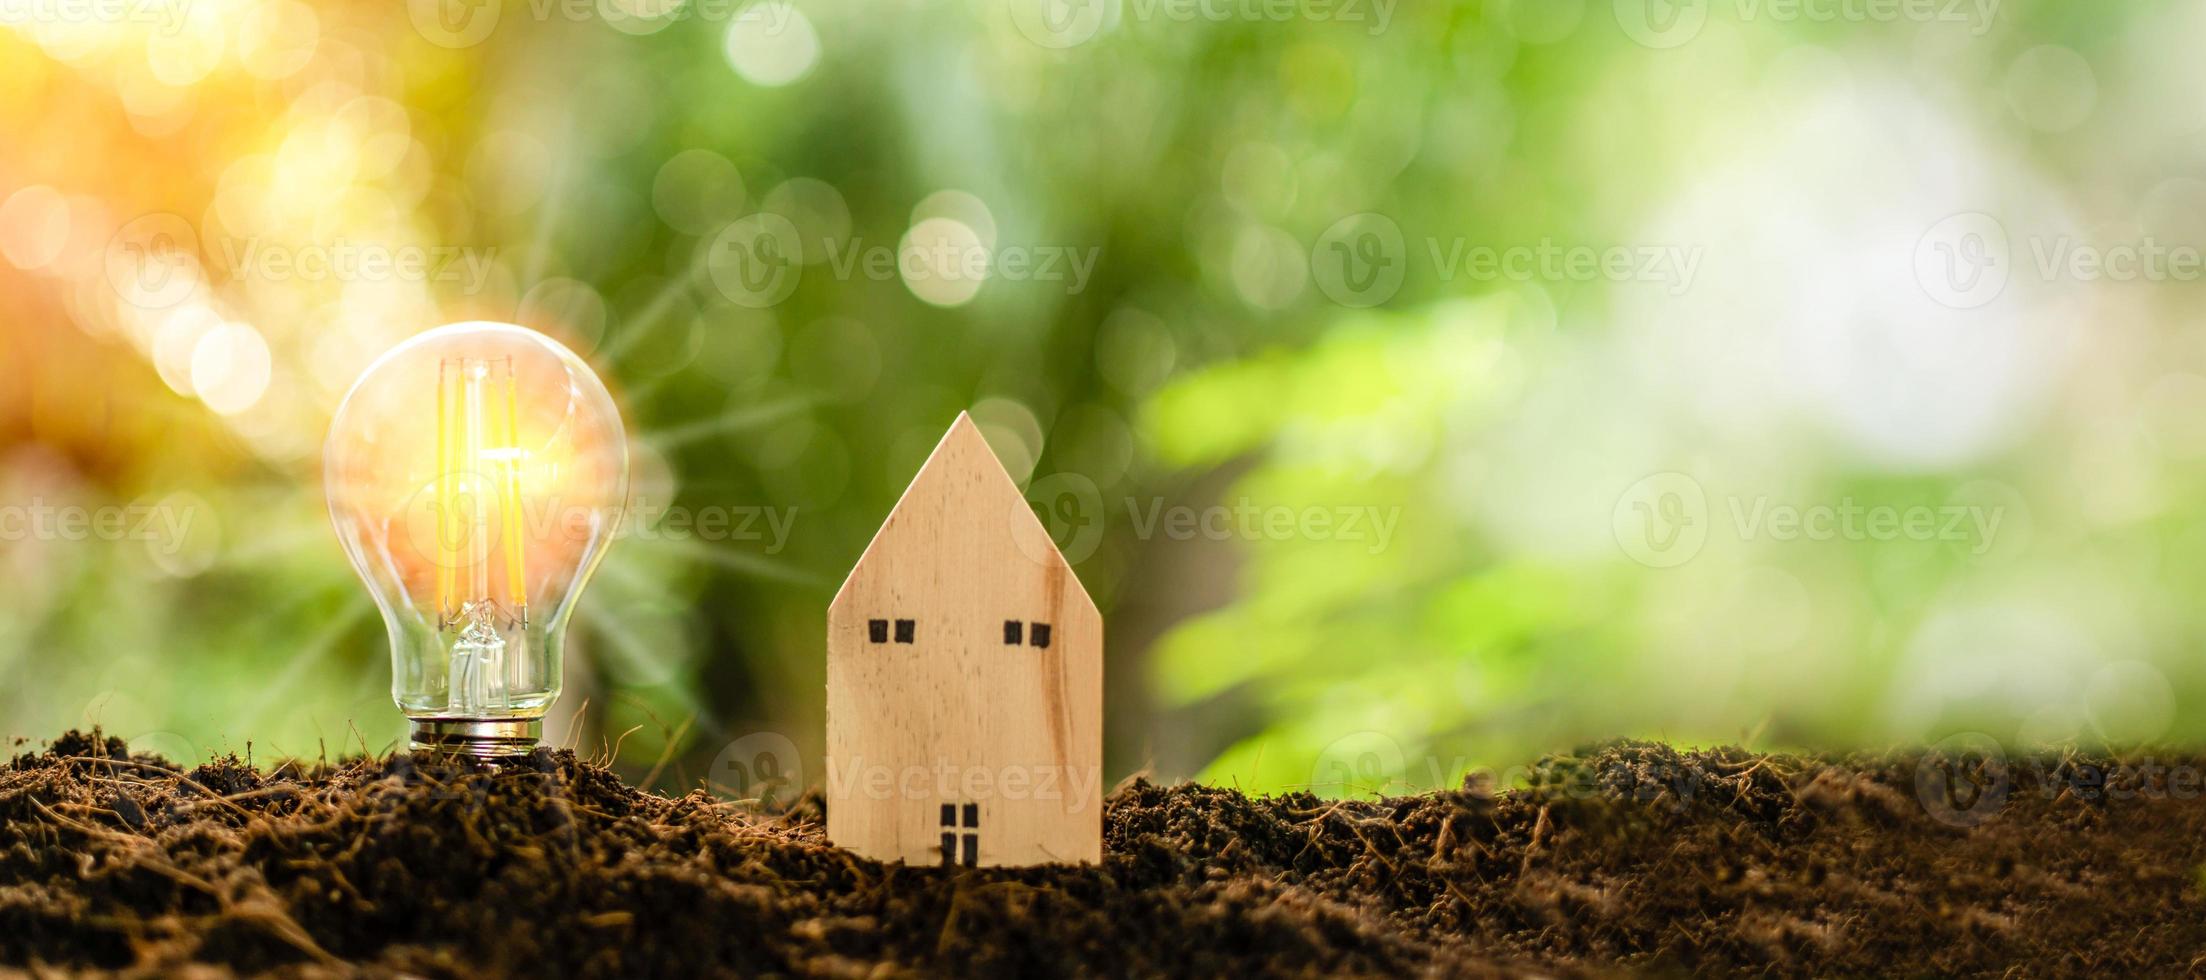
[
  {"x": 904, "y": 629},
  {"x": 952, "y": 852},
  {"x": 877, "y": 630}
]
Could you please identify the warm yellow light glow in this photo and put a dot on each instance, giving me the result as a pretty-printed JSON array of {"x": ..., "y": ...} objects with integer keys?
[
  {"x": 476, "y": 474},
  {"x": 447, "y": 555},
  {"x": 509, "y": 456},
  {"x": 479, "y": 454}
]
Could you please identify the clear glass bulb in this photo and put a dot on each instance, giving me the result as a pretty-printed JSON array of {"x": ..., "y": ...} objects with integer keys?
[{"x": 476, "y": 474}]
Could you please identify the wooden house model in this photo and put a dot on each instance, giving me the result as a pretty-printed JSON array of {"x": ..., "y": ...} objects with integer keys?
[{"x": 964, "y": 680}]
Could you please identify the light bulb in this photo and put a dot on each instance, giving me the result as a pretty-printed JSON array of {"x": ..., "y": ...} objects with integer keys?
[{"x": 476, "y": 474}]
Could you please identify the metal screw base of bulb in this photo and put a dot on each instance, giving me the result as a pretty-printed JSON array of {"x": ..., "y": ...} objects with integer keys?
[{"x": 483, "y": 738}]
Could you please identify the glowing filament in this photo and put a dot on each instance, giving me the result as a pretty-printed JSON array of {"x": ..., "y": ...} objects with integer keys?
[{"x": 478, "y": 456}]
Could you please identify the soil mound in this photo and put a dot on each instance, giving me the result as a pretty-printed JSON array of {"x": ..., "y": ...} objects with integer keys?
[{"x": 1630, "y": 856}]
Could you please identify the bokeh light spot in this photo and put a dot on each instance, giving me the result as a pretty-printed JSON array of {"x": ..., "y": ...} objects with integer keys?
[
  {"x": 277, "y": 38},
  {"x": 566, "y": 309},
  {"x": 943, "y": 262},
  {"x": 176, "y": 342},
  {"x": 697, "y": 191},
  {"x": 962, "y": 207},
  {"x": 230, "y": 368},
  {"x": 34, "y": 225},
  {"x": 772, "y": 43}
]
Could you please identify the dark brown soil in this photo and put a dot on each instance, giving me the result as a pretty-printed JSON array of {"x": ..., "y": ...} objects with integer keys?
[{"x": 1633, "y": 857}]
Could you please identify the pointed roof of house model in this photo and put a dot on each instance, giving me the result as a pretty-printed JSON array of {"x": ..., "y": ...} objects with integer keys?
[{"x": 963, "y": 482}]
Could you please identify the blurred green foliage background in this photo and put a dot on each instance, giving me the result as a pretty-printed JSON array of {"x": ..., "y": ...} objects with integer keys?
[{"x": 1435, "y": 392}]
